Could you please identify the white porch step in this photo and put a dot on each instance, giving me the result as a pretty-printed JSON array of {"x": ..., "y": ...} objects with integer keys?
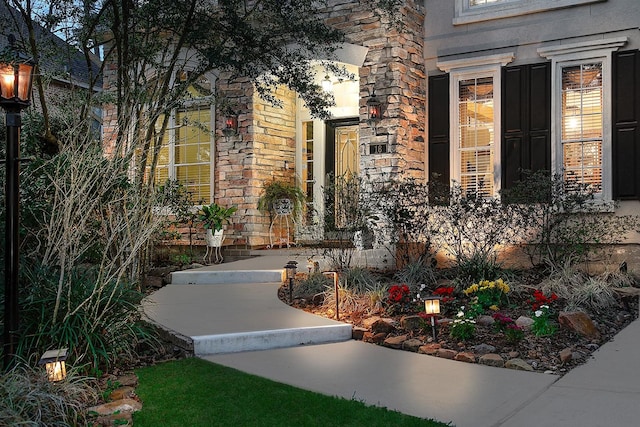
[
  {"x": 263, "y": 340},
  {"x": 204, "y": 277}
]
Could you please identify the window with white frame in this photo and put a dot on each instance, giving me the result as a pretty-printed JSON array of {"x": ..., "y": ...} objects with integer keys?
[
  {"x": 187, "y": 147},
  {"x": 581, "y": 112},
  {"x": 475, "y": 122},
  {"x": 469, "y": 11},
  {"x": 581, "y": 124}
]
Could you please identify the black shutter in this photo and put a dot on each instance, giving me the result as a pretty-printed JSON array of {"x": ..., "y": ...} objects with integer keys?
[
  {"x": 526, "y": 120},
  {"x": 439, "y": 128},
  {"x": 626, "y": 129}
]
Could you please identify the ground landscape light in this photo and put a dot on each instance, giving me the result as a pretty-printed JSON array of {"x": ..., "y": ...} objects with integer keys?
[
  {"x": 432, "y": 308},
  {"x": 54, "y": 362}
]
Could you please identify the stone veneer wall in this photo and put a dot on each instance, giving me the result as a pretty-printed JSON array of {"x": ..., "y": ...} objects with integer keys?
[
  {"x": 265, "y": 142},
  {"x": 394, "y": 67}
]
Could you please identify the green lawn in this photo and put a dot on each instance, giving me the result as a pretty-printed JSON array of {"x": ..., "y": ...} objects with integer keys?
[{"x": 194, "y": 392}]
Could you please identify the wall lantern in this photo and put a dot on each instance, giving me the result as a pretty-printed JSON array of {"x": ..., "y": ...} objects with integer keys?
[
  {"x": 291, "y": 268},
  {"x": 326, "y": 83},
  {"x": 16, "y": 76},
  {"x": 54, "y": 362},
  {"x": 230, "y": 129},
  {"x": 374, "y": 111},
  {"x": 432, "y": 309}
]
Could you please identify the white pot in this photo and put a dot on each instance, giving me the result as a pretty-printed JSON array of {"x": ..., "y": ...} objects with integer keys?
[{"x": 214, "y": 239}]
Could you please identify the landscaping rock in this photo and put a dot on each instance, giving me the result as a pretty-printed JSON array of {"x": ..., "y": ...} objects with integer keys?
[
  {"x": 485, "y": 320},
  {"x": 446, "y": 353},
  {"x": 412, "y": 344},
  {"x": 484, "y": 348},
  {"x": 395, "y": 342},
  {"x": 524, "y": 322},
  {"x": 566, "y": 355},
  {"x": 383, "y": 326},
  {"x": 153, "y": 282},
  {"x": 518, "y": 365},
  {"x": 411, "y": 323},
  {"x": 375, "y": 338},
  {"x": 130, "y": 380},
  {"x": 120, "y": 393},
  {"x": 123, "y": 419},
  {"x": 580, "y": 323},
  {"x": 117, "y": 406},
  {"x": 429, "y": 349},
  {"x": 357, "y": 333},
  {"x": 369, "y": 321},
  {"x": 465, "y": 356},
  {"x": 492, "y": 359}
]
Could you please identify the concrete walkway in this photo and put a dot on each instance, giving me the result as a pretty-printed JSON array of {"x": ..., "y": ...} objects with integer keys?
[{"x": 603, "y": 392}]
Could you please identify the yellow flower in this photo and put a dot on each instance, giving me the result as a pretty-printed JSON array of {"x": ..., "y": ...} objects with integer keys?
[{"x": 494, "y": 307}]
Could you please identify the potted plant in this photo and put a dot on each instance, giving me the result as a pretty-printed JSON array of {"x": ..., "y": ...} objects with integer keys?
[
  {"x": 280, "y": 197},
  {"x": 213, "y": 217}
]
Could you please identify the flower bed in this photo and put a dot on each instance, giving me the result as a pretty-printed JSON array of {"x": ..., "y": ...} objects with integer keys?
[{"x": 485, "y": 322}]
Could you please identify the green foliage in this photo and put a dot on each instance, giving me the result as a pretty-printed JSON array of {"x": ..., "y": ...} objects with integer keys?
[
  {"x": 405, "y": 204},
  {"x": 563, "y": 221},
  {"x": 314, "y": 284},
  {"x": 477, "y": 267},
  {"x": 101, "y": 324},
  {"x": 215, "y": 216},
  {"x": 415, "y": 274},
  {"x": 194, "y": 392},
  {"x": 463, "y": 327},
  {"x": 28, "y": 398},
  {"x": 358, "y": 279},
  {"x": 542, "y": 325},
  {"x": 276, "y": 190}
]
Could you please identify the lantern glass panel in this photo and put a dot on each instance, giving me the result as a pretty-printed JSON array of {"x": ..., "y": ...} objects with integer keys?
[{"x": 432, "y": 306}]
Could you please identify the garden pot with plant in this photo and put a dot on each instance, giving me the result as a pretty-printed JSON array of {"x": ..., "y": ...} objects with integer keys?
[{"x": 213, "y": 218}]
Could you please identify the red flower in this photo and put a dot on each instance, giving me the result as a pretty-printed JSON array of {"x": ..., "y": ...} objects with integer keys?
[
  {"x": 445, "y": 293},
  {"x": 541, "y": 299}
]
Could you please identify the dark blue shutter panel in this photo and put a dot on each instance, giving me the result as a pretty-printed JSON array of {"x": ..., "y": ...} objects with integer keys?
[
  {"x": 526, "y": 120},
  {"x": 439, "y": 128},
  {"x": 626, "y": 129}
]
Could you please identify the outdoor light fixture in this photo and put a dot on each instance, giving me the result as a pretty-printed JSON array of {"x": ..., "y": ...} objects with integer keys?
[
  {"x": 291, "y": 268},
  {"x": 374, "y": 111},
  {"x": 432, "y": 308},
  {"x": 230, "y": 125},
  {"x": 326, "y": 83},
  {"x": 16, "y": 76},
  {"x": 54, "y": 362},
  {"x": 336, "y": 285}
]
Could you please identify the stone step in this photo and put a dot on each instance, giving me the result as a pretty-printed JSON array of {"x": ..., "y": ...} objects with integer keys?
[
  {"x": 203, "y": 277},
  {"x": 264, "y": 340}
]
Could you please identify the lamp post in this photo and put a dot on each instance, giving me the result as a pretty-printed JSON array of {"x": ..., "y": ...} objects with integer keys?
[{"x": 16, "y": 76}]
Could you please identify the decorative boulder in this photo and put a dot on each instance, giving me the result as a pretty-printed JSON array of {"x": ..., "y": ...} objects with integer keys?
[{"x": 580, "y": 323}]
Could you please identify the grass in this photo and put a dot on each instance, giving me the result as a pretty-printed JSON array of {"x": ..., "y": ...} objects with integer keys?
[{"x": 194, "y": 392}]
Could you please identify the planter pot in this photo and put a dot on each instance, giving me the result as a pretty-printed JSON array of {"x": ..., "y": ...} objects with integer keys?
[
  {"x": 283, "y": 207},
  {"x": 214, "y": 244},
  {"x": 214, "y": 239}
]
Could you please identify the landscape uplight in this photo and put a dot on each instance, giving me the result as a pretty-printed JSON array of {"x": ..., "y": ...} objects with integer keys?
[{"x": 54, "y": 362}]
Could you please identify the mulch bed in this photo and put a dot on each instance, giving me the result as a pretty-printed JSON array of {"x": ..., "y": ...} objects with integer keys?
[{"x": 542, "y": 353}]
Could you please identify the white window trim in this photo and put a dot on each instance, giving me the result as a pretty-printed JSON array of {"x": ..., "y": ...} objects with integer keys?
[
  {"x": 466, "y": 14},
  {"x": 565, "y": 55},
  {"x": 467, "y": 68}
]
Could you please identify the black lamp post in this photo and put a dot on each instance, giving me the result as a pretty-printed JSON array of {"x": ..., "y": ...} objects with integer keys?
[{"x": 16, "y": 76}]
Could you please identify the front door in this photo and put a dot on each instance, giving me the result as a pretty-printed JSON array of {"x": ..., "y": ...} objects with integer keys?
[{"x": 342, "y": 167}]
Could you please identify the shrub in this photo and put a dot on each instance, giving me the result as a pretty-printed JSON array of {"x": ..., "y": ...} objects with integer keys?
[
  {"x": 462, "y": 327},
  {"x": 358, "y": 279},
  {"x": 314, "y": 284},
  {"x": 561, "y": 221},
  {"x": 416, "y": 273}
]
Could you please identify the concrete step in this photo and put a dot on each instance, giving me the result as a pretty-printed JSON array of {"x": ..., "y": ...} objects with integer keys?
[
  {"x": 211, "y": 277},
  {"x": 264, "y": 340}
]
